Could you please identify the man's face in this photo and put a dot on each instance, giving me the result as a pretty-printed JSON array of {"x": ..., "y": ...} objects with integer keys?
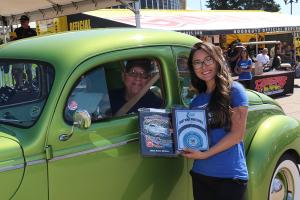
[
  {"x": 265, "y": 51},
  {"x": 134, "y": 80},
  {"x": 24, "y": 23}
]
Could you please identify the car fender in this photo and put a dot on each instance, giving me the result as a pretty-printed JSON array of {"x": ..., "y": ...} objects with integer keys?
[
  {"x": 12, "y": 165},
  {"x": 276, "y": 135}
]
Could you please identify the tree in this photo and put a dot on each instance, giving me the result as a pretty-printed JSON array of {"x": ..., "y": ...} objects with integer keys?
[{"x": 266, "y": 5}]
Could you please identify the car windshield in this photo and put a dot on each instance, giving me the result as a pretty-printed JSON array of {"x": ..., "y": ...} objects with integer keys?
[{"x": 24, "y": 87}]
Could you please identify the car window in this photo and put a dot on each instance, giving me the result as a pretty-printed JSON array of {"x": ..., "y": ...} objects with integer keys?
[
  {"x": 24, "y": 87},
  {"x": 187, "y": 92},
  {"x": 116, "y": 89},
  {"x": 90, "y": 94}
]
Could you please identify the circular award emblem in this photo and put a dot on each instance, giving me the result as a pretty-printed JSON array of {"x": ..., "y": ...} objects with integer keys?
[{"x": 192, "y": 140}]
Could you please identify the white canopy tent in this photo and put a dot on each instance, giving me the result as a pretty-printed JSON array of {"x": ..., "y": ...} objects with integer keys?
[
  {"x": 206, "y": 22},
  {"x": 11, "y": 10}
]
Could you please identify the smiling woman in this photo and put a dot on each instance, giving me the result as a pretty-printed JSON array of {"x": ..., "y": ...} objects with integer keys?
[{"x": 226, "y": 103}]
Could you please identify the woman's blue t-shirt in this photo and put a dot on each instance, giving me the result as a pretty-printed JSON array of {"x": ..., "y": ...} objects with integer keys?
[
  {"x": 244, "y": 64},
  {"x": 230, "y": 163}
]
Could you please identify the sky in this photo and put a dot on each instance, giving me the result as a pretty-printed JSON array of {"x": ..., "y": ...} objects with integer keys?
[{"x": 198, "y": 4}]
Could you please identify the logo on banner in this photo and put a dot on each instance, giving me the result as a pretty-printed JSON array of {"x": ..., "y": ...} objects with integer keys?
[
  {"x": 271, "y": 85},
  {"x": 80, "y": 25}
]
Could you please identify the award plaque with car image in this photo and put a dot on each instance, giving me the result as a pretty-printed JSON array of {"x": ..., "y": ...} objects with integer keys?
[
  {"x": 190, "y": 129},
  {"x": 156, "y": 138}
]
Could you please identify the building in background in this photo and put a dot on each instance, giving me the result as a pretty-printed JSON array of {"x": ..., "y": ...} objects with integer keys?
[{"x": 161, "y": 4}]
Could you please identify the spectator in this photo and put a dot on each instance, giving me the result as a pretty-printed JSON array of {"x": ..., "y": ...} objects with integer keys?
[
  {"x": 277, "y": 57},
  {"x": 243, "y": 68},
  {"x": 24, "y": 31},
  {"x": 135, "y": 76},
  {"x": 263, "y": 57},
  {"x": 234, "y": 54}
]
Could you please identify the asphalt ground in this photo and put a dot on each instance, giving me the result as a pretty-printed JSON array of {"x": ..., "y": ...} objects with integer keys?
[{"x": 291, "y": 102}]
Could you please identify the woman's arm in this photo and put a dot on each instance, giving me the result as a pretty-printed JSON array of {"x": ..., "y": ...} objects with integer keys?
[
  {"x": 236, "y": 134},
  {"x": 249, "y": 66},
  {"x": 237, "y": 69},
  {"x": 247, "y": 70}
]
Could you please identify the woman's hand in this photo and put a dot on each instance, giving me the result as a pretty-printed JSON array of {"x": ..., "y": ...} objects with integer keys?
[
  {"x": 235, "y": 136},
  {"x": 193, "y": 154},
  {"x": 237, "y": 69},
  {"x": 249, "y": 69}
]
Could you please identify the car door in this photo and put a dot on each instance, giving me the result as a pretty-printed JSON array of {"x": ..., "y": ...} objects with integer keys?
[
  {"x": 185, "y": 90},
  {"x": 104, "y": 161}
]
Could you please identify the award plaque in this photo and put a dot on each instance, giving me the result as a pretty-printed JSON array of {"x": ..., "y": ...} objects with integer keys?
[
  {"x": 190, "y": 129},
  {"x": 155, "y": 136}
]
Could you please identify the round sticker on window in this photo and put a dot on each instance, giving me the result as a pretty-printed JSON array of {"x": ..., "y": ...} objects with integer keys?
[
  {"x": 35, "y": 111},
  {"x": 73, "y": 105}
]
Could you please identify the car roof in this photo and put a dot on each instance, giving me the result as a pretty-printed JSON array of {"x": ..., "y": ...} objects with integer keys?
[{"x": 68, "y": 49}]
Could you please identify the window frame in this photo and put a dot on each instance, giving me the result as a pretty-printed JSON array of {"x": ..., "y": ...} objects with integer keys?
[
  {"x": 156, "y": 52},
  {"x": 46, "y": 88}
]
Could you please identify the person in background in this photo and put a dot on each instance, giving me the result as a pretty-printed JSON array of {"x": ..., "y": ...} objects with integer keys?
[
  {"x": 220, "y": 172},
  {"x": 263, "y": 57},
  {"x": 135, "y": 76},
  {"x": 24, "y": 31},
  {"x": 244, "y": 68},
  {"x": 234, "y": 54},
  {"x": 277, "y": 57}
]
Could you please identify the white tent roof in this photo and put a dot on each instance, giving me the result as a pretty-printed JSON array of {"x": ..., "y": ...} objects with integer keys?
[
  {"x": 205, "y": 22},
  {"x": 11, "y": 10}
]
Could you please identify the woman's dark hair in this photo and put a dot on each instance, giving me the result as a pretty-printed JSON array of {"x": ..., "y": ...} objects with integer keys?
[
  {"x": 219, "y": 106},
  {"x": 244, "y": 50}
]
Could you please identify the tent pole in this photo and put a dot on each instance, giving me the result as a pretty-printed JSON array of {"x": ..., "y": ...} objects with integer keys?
[
  {"x": 137, "y": 14},
  {"x": 135, "y": 10},
  {"x": 256, "y": 46},
  {"x": 3, "y": 29},
  {"x": 294, "y": 38}
]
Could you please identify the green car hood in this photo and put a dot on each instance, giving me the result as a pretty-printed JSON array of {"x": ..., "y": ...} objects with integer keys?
[{"x": 256, "y": 98}]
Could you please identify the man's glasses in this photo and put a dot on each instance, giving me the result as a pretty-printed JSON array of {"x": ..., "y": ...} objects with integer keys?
[
  {"x": 135, "y": 74},
  {"x": 198, "y": 64}
]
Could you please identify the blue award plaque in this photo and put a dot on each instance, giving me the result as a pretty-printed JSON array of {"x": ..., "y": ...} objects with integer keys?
[{"x": 190, "y": 129}]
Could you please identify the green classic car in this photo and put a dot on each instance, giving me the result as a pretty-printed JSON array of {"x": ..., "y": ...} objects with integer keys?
[{"x": 59, "y": 139}]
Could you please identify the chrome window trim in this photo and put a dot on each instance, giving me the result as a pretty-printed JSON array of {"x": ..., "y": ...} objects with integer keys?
[
  {"x": 107, "y": 147},
  {"x": 10, "y": 168},
  {"x": 35, "y": 162}
]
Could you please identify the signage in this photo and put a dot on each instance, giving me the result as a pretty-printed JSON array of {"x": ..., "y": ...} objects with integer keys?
[
  {"x": 54, "y": 25},
  {"x": 297, "y": 43},
  {"x": 275, "y": 83},
  {"x": 80, "y": 25}
]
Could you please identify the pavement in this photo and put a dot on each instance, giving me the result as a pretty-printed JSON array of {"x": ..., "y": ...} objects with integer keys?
[{"x": 291, "y": 102}]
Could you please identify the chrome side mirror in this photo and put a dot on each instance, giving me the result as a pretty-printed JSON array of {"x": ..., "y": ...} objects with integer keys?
[{"x": 82, "y": 119}]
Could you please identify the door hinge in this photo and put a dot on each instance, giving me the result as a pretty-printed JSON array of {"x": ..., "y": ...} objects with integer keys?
[{"x": 49, "y": 152}]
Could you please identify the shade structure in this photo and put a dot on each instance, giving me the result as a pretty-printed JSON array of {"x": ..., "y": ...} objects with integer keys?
[
  {"x": 205, "y": 22},
  {"x": 11, "y": 10}
]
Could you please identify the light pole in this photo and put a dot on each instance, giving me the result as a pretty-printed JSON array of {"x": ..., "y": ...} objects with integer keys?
[
  {"x": 200, "y": 5},
  {"x": 291, "y": 2}
]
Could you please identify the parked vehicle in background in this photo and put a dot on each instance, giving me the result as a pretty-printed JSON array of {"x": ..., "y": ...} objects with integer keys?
[{"x": 59, "y": 139}]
